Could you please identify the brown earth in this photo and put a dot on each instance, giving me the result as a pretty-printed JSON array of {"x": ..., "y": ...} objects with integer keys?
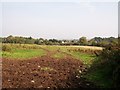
[{"x": 32, "y": 73}]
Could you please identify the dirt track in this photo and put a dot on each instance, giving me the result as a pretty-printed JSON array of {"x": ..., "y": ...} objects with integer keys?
[{"x": 62, "y": 73}]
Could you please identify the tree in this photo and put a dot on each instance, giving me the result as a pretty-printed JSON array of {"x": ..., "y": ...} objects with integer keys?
[
  {"x": 92, "y": 42},
  {"x": 10, "y": 39},
  {"x": 104, "y": 43},
  {"x": 83, "y": 41},
  {"x": 30, "y": 40}
]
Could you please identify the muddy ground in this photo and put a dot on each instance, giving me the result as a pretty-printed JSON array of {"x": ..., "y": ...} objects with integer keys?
[{"x": 43, "y": 72}]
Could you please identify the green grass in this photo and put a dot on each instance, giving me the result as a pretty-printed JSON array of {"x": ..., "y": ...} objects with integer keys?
[
  {"x": 84, "y": 57},
  {"x": 23, "y": 53},
  {"x": 101, "y": 76}
]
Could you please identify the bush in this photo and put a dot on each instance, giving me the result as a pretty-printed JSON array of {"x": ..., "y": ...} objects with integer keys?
[
  {"x": 112, "y": 54},
  {"x": 6, "y": 48}
]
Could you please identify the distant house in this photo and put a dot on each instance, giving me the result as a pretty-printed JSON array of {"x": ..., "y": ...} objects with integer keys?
[{"x": 63, "y": 42}]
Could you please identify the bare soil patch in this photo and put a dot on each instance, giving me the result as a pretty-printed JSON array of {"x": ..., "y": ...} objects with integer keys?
[{"x": 43, "y": 72}]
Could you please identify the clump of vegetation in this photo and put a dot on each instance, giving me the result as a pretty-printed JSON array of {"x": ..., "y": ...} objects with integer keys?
[
  {"x": 112, "y": 55},
  {"x": 6, "y": 48}
]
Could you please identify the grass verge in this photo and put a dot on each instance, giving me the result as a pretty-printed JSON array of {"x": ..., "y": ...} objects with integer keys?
[
  {"x": 84, "y": 57},
  {"x": 101, "y": 75}
]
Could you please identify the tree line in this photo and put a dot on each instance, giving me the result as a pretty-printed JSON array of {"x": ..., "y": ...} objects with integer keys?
[{"x": 96, "y": 41}]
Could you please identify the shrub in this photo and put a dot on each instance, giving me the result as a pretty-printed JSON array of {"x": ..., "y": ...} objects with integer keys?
[
  {"x": 6, "y": 48},
  {"x": 112, "y": 54}
]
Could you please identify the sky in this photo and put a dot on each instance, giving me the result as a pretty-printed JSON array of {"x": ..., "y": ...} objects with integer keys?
[{"x": 60, "y": 20}]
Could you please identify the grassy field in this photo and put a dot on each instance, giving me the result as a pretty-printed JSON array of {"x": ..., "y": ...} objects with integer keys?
[
  {"x": 23, "y": 53},
  {"x": 16, "y": 51},
  {"x": 26, "y": 51}
]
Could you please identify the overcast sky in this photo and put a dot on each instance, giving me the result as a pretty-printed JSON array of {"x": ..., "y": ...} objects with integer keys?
[{"x": 60, "y": 20}]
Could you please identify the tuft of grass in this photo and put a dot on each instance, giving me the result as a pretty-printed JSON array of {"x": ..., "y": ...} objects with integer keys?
[{"x": 47, "y": 69}]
